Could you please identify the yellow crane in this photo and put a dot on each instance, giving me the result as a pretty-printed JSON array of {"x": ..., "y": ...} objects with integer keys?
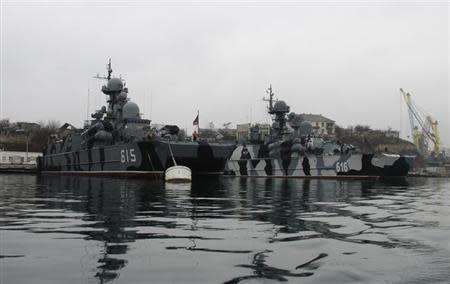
[{"x": 423, "y": 127}]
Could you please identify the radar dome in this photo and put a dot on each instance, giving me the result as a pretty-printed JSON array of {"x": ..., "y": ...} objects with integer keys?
[
  {"x": 115, "y": 85},
  {"x": 122, "y": 96},
  {"x": 281, "y": 106},
  {"x": 130, "y": 111}
]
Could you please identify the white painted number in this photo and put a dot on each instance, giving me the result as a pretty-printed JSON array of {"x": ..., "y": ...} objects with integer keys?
[
  {"x": 132, "y": 155},
  {"x": 342, "y": 167},
  {"x": 127, "y": 155},
  {"x": 122, "y": 156}
]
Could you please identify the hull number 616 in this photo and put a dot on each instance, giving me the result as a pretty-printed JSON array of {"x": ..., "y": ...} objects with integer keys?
[{"x": 342, "y": 167}]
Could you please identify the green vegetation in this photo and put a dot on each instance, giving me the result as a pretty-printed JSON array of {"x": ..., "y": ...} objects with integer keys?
[
  {"x": 13, "y": 138},
  {"x": 370, "y": 140}
]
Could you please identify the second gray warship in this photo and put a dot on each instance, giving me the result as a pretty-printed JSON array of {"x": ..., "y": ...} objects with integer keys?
[{"x": 118, "y": 141}]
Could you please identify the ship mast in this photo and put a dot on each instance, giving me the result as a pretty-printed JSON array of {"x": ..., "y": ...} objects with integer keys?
[
  {"x": 112, "y": 95},
  {"x": 109, "y": 69},
  {"x": 270, "y": 100}
]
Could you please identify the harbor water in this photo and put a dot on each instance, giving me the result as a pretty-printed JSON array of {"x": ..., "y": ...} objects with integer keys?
[{"x": 57, "y": 229}]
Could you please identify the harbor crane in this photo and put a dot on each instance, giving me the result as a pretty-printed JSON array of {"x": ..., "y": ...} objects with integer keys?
[{"x": 424, "y": 129}]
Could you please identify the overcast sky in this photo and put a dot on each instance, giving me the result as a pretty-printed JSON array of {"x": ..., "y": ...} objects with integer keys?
[{"x": 345, "y": 60}]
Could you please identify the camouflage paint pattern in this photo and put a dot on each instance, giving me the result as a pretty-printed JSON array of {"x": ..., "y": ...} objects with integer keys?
[{"x": 255, "y": 160}]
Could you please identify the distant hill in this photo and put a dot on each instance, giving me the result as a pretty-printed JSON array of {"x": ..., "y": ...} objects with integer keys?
[
  {"x": 378, "y": 141},
  {"x": 379, "y": 144}
]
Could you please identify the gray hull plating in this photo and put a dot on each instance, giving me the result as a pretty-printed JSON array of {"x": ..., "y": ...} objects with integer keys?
[{"x": 139, "y": 158}]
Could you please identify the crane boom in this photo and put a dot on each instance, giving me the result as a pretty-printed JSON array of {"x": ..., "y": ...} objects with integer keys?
[
  {"x": 435, "y": 129},
  {"x": 407, "y": 98},
  {"x": 428, "y": 127}
]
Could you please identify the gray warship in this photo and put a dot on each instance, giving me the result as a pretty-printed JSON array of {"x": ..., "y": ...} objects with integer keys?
[
  {"x": 118, "y": 141},
  {"x": 296, "y": 151}
]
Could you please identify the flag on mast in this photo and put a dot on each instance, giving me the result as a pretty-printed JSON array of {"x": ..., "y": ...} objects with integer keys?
[
  {"x": 196, "y": 120},
  {"x": 195, "y": 135}
]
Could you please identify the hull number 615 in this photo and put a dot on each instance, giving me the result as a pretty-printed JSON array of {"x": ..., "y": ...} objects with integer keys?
[{"x": 127, "y": 155}]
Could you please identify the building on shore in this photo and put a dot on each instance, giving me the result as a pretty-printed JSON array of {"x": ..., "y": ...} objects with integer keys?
[
  {"x": 252, "y": 132},
  {"x": 321, "y": 124},
  {"x": 18, "y": 158},
  {"x": 8, "y": 128},
  {"x": 361, "y": 130},
  {"x": 391, "y": 133}
]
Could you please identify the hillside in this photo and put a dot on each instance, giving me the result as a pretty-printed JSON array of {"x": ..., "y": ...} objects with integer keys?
[{"x": 13, "y": 136}]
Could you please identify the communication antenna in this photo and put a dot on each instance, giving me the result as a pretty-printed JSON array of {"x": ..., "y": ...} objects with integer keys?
[
  {"x": 87, "y": 106},
  {"x": 271, "y": 94},
  {"x": 401, "y": 117},
  {"x": 144, "y": 104},
  {"x": 109, "y": 69},
  {"x": 1, "y": 103},
  {"x": 151, "y": 104}
]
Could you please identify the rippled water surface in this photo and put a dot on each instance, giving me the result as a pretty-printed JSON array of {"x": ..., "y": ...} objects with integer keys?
[{"x": 223, "y": 230}]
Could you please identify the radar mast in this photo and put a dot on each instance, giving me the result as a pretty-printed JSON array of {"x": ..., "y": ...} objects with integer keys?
[
  {"x": 270, "y": 99},
  {"x": 109, "y": 69}
]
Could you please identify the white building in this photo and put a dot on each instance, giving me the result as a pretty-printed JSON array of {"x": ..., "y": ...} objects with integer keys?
[
  {"x": 15, "y": 157},
  {"x": 391, "y": 133},
  {"x": 320, "y": 124},
  {"x": 244, "y": 131}
]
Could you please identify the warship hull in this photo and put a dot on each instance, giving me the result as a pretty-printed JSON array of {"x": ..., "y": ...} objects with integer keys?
[
  {"x": 294, "y": 165},
  {"x": 138, "y": 159}
]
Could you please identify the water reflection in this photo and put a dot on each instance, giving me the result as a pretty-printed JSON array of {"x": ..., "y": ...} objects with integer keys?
[
  {"x": 109, "y": 208},
  {"x": 262, "y": 270},
  {"x": 277, "y": 229}
]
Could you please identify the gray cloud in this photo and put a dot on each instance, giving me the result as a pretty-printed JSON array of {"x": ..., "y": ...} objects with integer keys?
[{"x": 346, "y": 61}]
